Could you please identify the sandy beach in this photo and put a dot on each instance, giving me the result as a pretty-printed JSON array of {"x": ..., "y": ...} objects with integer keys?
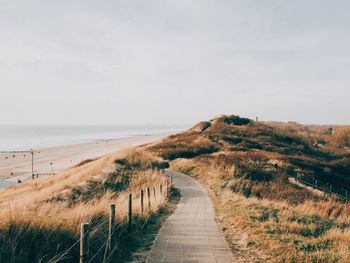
[{"x": 56, "y": 159}]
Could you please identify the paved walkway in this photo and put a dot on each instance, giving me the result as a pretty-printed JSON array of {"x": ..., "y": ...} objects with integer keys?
[{"x": 190, "y": 234}]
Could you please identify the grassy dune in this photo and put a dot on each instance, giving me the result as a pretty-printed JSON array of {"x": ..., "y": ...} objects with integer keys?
[
  {"x": 247, "y": 167},
  {"x": 40, "y": 219}
]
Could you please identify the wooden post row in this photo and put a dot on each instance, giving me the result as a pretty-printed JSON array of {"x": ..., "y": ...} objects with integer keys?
[{"x": 84, "y": 243}]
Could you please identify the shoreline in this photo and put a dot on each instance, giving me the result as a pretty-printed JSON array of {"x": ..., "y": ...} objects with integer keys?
[{"x": 56, "y": 159}]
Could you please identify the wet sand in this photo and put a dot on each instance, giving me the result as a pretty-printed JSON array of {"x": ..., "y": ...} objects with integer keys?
[{"x": 14, "y": 166}]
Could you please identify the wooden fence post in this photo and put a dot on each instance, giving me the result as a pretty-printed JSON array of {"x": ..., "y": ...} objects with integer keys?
[
  {"x": 149, "y": 198},
  {"x": 161, "y": 190},
  {"x": 167, "y": 187},
  {"x": 84, "y": 243},
  {"x": 316, "y": 183},
  {"x": 130, "y": 214},
  {"x": 171, "y": 179},
  {"x": 154, "y": 193},
  {"x": 141, "y": 202},
  {"x": 110, "y": 243},
  {"x": 111, "y": 229}
]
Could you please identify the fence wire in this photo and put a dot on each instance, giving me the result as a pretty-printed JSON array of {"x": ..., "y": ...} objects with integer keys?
[
  {"x": 325, "y": 188},
  {"x": 98, "y": 227}
]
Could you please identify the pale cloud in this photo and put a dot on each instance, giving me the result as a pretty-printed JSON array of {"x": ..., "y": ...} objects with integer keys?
[{"x": 173, "y": 61}]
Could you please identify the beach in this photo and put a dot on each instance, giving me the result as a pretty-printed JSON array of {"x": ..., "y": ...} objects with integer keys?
[{"x": 52, "y": 160}]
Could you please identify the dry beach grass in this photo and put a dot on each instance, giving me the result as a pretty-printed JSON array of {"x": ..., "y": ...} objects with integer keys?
[
  {"x": 265, "y": 230},
  {"x": 40, "y": 219},
  {"x": 264, "y": 216},
  {"x": 247, "y": 167}
]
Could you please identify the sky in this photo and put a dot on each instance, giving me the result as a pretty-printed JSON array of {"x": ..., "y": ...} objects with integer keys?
[{"x": 173, "y": 61}]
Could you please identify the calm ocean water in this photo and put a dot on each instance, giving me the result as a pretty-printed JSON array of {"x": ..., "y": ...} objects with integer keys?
[{"x": 27, "y": 137}]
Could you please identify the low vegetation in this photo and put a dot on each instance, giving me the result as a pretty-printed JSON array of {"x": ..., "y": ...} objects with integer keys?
[
  {"x": 265, "y": 215},
  {"x": 40, "y": 219}
]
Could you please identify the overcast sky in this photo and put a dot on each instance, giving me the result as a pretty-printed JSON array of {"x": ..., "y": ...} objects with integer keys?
[{"x": 173, "y": 61}]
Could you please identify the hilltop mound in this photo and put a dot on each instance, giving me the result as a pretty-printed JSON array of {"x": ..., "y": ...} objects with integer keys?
[{"x": 282, "y": 148}]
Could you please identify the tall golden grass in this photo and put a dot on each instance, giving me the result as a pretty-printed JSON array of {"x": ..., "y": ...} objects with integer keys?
[
  {"x": 265, "y": 230},
  {"x": 341, "y": 136},
  {"x": 40, "y": 219}
]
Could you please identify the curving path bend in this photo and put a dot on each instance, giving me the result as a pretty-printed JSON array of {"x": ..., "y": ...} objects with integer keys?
[{"x": 190, "y": 234}]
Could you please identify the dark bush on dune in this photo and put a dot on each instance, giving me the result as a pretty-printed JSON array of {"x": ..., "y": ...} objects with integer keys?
[
  {"x": 259, "y": 175},
  {"x": 189, "y": 153},
  {"x": 235, "y": 120}
]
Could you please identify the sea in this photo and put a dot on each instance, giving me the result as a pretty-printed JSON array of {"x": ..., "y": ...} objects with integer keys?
[{"x": 18, "y": 137}]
